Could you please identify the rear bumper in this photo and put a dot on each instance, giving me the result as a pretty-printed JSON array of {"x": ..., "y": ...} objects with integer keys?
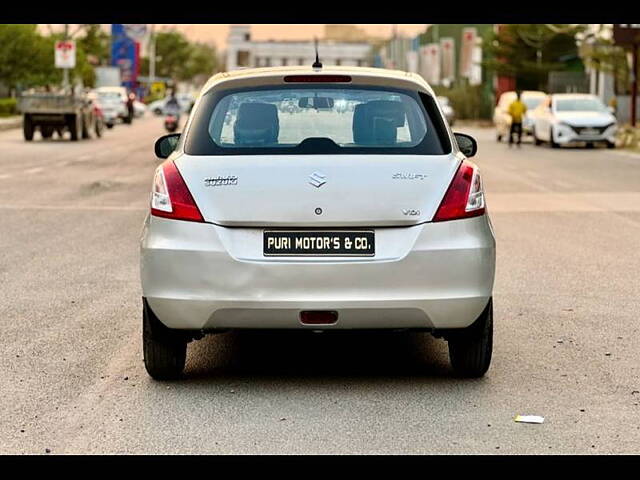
[{"x": 434, "y": 275}]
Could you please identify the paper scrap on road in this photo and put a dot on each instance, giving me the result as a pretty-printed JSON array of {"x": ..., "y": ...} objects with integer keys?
[{"x": 529, "y": 419}]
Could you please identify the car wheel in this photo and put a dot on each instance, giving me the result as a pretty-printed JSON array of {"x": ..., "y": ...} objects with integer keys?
[
  {"x": 589, "y": 144},
  {"x": 74, "y": 124},
  {"x": 470, "y": 348},
  {"x": 165, "y": 350},
  {"x": 109, "y": 125},
  {"x": 611, "y": 144},
  {"x": 46, "y": 131},
  {"x": 536, "y": 140},
  {"x": 551, "y": 141},
  {"x": 27, "y": 128},
  {"x": 498, "y": 137}
]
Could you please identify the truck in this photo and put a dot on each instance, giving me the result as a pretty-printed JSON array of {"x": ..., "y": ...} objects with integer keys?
[{"x": 57, "y": 111}]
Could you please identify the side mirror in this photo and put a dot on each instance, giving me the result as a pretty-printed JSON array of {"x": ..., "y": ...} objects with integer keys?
[
  {"x": 166, "y": 145},
  {"x": 467, "y": 144}
]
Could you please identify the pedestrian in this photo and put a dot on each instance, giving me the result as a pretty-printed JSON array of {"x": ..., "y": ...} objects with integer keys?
[
  {"x": 130, "y": 109},
  {"x": 517, "y": 110}
]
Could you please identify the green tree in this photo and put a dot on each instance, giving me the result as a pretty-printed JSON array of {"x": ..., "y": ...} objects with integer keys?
[
  {"x": 529, "y": 52},
  {"x": 95, "y": 43},
  {"x": 173, "y": 49},
  {"x": 26, "y": 57},
  {"x": 181, "y": 60},
  {"x": 202, "y": 62},
  {"x": 600, "y": 52}
]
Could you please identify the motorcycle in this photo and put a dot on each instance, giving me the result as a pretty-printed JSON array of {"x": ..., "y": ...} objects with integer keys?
[
  {"x": 171, "y": 122},
  {"x": 171, "y": 119}
]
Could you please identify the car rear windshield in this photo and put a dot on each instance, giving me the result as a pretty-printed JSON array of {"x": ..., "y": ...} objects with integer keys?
[{"x": 307, "y": 119}]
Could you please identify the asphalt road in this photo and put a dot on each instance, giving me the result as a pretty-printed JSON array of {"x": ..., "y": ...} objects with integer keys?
[{"x": 566, "y": 324}]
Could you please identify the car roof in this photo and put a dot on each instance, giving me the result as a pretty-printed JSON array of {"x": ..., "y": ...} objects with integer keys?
[
  {"x": 359, "y": 75},
  {"x": 573, "y": 95}
]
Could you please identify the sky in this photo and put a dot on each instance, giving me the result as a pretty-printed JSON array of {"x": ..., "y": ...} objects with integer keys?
[{"x": 217, "y": 33}]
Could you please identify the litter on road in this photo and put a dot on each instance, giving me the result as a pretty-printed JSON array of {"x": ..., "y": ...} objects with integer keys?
[{"x": 529, "y": 419}]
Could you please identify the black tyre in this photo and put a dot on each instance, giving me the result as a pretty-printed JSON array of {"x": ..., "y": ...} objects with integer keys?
[
  {"x": 551, "y": 141},
  {"x": 74, "y": 124},
  {"x": 498, "y": 137},
  {"x": 109, "y": 125},
  {"x": 589, "y": 145},
  {"x": 536, "y": 140},
  {"x": 611, "y": 145},
  {"x": 165, "y": 350},
  {"x": 470, "y": 348},
  {"x": 46, "y": 131},
  {"x": 27, "y": 128}
]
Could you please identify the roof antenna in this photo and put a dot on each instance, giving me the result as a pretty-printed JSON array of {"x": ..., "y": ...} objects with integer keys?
[{"x": 317, "y": 63}]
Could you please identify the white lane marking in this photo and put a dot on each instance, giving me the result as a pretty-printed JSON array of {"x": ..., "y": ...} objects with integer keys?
[
  {"x": 5, "y": 175},
  {"x": 124, "y": 208},
  {"x": 31, "y": 171}
]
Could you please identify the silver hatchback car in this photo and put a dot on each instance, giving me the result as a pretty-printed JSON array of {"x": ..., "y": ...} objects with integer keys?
[{"x": 317, "y": 217}]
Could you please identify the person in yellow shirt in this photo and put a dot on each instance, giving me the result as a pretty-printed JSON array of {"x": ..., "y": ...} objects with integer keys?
[{"x": 517, "y": 109}]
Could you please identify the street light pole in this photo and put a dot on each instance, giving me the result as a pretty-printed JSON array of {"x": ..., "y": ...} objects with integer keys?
[{"x": 65, "y": 71}]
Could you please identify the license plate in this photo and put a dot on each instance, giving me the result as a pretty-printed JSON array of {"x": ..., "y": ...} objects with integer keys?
[
  {"x": 589, "y": 131},
  {"x": 344, "y": 243}
]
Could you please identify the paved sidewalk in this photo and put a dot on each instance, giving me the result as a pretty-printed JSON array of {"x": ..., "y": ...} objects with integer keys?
[{"x": 7, "y": 123}]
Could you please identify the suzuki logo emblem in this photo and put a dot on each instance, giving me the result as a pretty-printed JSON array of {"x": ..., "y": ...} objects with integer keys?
[{"x": 317, "y": 179}]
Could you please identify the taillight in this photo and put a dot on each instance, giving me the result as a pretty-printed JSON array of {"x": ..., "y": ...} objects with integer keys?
[
  {"x": 170, "y": 197},
  {"x": 465, "y": 197}
]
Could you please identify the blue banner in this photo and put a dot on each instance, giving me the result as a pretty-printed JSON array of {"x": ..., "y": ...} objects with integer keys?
[{"x": 123, "y": 55}]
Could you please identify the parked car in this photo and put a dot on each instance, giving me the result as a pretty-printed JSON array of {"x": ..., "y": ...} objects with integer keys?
[
  {"x": 114, "y": 103},
  {"x": 139, "y": 108},
  {"x": 447, "y": 109},
  {"x": 502, "y": 119},
  {"x": 567, "y": 118},
  {"x": 184, "y": 99},
  {"x": 317, "y": 221}
]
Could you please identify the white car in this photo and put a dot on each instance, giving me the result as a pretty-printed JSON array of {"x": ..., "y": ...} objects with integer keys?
[
  {"x": 567, "y": 118},
  {"x": 502, "y": 119},
  {"x": 139, "y": 108},
  {"x": 317, "y": 220},
  {"x": 184, "y": 99},
  {"x": 114, "y": 103}
]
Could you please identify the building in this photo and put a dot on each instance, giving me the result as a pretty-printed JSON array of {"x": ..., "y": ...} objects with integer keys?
[{"x": 243, "y": 52}]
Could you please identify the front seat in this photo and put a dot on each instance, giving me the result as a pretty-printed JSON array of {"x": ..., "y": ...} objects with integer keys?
[
  {"x": 377, "y": 122},
  {"x": 256, "y": 124}
]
